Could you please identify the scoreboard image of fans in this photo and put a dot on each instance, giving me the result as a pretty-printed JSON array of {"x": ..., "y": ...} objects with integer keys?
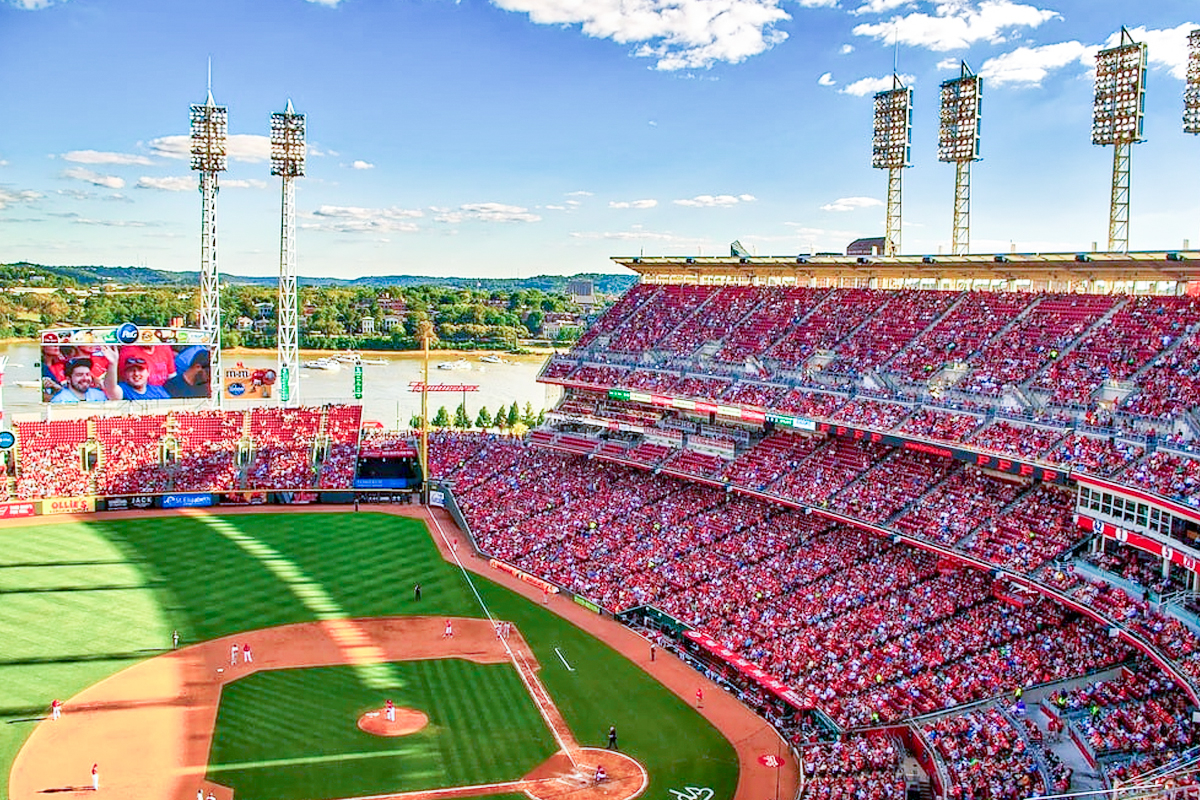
[{"x": 125, "y": 363}]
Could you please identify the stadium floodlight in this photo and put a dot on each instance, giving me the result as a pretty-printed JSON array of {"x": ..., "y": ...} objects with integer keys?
[
  {"x": 1117, "y": 117},
  {"x": 958, "y": 143},
  {"x": 210, "y": 125},
  {"x": 891, "y": 149},
  {"x": 1191, "y": 91},
  {"x": 287, "y": 161}
]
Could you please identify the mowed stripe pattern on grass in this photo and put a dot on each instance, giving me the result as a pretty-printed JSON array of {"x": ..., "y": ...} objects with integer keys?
[
  {"x": 206, "y": 586},
  {"x": 292, "y": 734}
]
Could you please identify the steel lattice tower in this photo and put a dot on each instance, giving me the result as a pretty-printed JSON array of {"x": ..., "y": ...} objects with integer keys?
[
  {"x": 287, "y": 161},
  {"x": 209, "y": 129},
  {"x": 1117, "y": 116},
  {"x": 958, "y": 143},
  {"x": 1191, "y": 91},
  {"x": 891, "y": 149}
]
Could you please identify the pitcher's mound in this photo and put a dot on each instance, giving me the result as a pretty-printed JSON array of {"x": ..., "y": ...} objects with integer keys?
[
  {"x": 408, "y": 720},
  {"x": 558, "y": 779}
]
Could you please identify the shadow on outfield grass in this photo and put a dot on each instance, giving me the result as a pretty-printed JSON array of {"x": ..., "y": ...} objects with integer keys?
[
  {"x": 99, "y": 562},
  {"x": 112, "y": 587},
  {"x": 80, "y": 658}
]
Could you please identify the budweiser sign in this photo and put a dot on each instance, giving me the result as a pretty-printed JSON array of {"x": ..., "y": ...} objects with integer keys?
[{"x": 421, "y": 386}]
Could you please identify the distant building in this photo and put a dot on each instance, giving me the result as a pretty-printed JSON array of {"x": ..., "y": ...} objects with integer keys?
[
  {"x": 366, "y": 325},
  {"x": 392, "y": 321},
  {"x": 555, "y": 324},
  {"x": 870, "y": 246},
  {"x": 582, "y": 292},
  {"x": 244, "y": 323}
]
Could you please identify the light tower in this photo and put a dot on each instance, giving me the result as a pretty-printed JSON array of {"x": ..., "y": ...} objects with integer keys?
[
  {"x": 958, "y": 143},
  {"x": 891, "y": 149},
  {"x": 1117, "y": 120},
  {"x": 287, "y": 161},
  {"x": 1191, "y": 91},
  {"x": 209, "y": 128}
]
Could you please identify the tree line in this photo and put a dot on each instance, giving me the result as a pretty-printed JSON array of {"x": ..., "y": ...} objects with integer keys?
[
  {"x": 505, "y": 419},
  {"x": 330, "y": 317}
]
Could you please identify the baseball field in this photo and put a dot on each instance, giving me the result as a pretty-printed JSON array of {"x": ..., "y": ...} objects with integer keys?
[{"x": 328, "y": 603}]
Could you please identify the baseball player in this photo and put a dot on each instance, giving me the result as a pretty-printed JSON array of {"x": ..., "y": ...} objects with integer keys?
[
  {"x": 55, "y": 708},
  {"x": 95, "y": 777},
  {"x": 390, "y": 711},
  {"x": 175, "y": 646},
  {"x": 233, "y": 654},
  {"x": 247, "y": 656},
  {"x": 699, "y": 697},
  {"x": 612, "y": 738},
  {"x": 449, "y": 633}
]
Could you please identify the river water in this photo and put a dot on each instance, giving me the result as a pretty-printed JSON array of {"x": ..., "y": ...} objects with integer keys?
[{"x": 387, "y": 395}]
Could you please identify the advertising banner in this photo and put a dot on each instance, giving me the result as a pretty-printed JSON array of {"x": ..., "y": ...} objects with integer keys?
[
  {"x": 10, "y": 510},
  {"x": 188, "y": 500},
  {"x": 242, "y": 499},
  {"x": 68, "y": 505},
  {"x": 437, "y": 498},
  {"x": 532, "y": 580},
  {"x": 246, "y": 383},
  {"x": 136, "y": 501}
]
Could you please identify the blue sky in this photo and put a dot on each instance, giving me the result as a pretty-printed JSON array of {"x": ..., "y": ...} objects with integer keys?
[{"x": 518, "y": 137}]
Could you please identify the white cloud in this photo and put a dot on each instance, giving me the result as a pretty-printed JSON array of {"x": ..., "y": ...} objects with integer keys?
[
  {"x": 633, "y": 204},
  {"x": 949, "y": 63},
  {"x": 94, "y": 178},
  {"x": 172, "y": 183},
  {"x": 956, "y": 24},
  {"x": 354, "y": 219},
  {"x": 715, "y": 201},
  {"x": 485, "y": 212},
  {"x": 99, "y": 157},
  {"x": 847, "y": 49},
  {"x": 1167, "y": 48},
  {"x": 10, "y": 197},
  {"x": 867, "y": 86},
  {"x": 246, "y": 147},
  {"x": 580, "y": 193},
  {"x": 679, "y": 34},
  {"x": 32, "y": 5},
  {"x": 826, "y": 79},
  {"x": 328, "y": 3},
  {"x": 1029, "y": 66},
  {"x": 851, "y": 204},
  {"x": 880, "y": 6},
  {"x": 362, "y": 165},
  {"x": 249, "y": 183}
]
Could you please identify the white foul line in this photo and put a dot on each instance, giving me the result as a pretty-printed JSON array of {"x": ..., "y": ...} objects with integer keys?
[{"x": 565, "y": 664}]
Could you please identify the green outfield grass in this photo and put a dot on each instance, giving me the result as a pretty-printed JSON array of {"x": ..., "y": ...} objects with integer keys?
[
  {"x": 291, "y": 735},
  {"x": 81, "y": 601}
]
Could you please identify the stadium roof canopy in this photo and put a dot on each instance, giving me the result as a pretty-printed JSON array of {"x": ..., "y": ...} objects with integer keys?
[{"x": 1053, "y": 268}]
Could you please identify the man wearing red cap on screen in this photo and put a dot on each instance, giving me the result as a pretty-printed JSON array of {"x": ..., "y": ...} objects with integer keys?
[{"x": 133, "y": 373}]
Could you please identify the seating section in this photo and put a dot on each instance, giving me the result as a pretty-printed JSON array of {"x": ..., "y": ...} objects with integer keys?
[
  {"x": 189, "y": 451},
  {"x": 867, "y": 629},
  {"x": 51, "y": 459},
  {"x": 1118, "y": 347}
]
